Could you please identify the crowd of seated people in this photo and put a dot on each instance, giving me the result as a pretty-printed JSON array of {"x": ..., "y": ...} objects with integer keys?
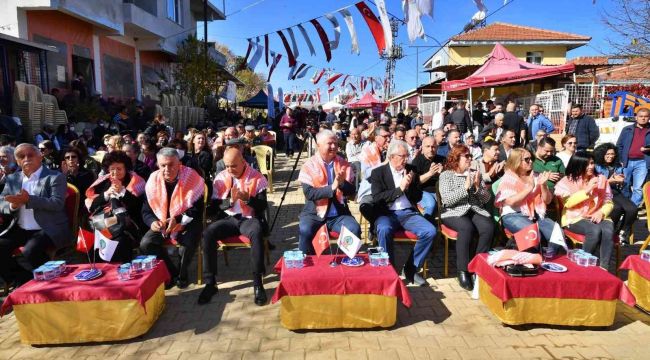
[{"x": 407, "y": 176}]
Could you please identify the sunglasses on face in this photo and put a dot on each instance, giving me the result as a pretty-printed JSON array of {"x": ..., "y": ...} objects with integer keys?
[{"x": 527, "y": 159}]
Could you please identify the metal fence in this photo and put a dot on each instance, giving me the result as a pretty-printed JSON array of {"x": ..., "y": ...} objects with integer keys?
[
  {"x": 591, "y": 96},
  {"x": 429, "y": 109}
]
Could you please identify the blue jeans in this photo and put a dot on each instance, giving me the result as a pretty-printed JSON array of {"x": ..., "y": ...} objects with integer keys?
[
  {"x": 309, "y": 226},
  {"x": 289, "y": 143},
  {"x": 635, "y": 173},
  {"x": 428, "y": 202},
  {"x": 412, "y": 221}
]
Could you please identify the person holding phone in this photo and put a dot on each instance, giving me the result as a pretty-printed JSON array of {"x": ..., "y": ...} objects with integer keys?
[
  {"x": 625, "y": 211},
  {"x": 464, "y": 196}
]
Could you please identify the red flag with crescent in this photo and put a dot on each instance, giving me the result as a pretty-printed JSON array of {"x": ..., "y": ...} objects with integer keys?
[
  {"x": 323, "y": 38},
  {"x": 373, "y": 24},
  {"x": 527, "y": 237},
  {"x": 321, "y": 241}
]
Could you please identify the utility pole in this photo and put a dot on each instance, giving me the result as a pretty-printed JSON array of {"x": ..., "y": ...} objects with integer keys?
[
  {"x": 391, "y": 59},
  {"x": 417, "y": 61}
]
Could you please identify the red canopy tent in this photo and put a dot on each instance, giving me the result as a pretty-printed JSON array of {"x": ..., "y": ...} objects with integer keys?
[
  {"x": 502, "y": 68},
  {"x": 368, "y": 101}
]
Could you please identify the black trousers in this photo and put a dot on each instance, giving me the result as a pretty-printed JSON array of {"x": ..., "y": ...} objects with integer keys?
[
  {"x": 35, "y": 242},
  {"x": 227, "y": 227},
  {"x": 467, "y": 227},
  {"x": 152, "y": 244},
  {"x": 596, "y": 235},
  {"x": 624, "y": 213}
]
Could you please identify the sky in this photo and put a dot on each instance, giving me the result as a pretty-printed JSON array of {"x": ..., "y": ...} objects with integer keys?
[{"x": 250, "y": 18}]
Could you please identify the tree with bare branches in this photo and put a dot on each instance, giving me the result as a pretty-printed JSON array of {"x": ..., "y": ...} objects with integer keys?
[{"x": 628, "y": 20}]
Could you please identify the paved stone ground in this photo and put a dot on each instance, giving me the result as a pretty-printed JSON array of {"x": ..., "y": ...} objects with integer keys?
[{"x": 443, "y": 323}]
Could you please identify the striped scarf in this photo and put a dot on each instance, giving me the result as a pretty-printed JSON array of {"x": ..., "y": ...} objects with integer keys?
[
  {"x": 188, "y": 190},
  {"x": 135, "y": 186},
  {"x": 314, "y": 174},
  {"x": 511, "y": 184},
  {"x": 251, "y": 182}
]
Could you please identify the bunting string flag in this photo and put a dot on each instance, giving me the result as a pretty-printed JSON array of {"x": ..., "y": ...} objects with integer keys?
[
  {"x": 373, "y": 24},
  {"x": 301, "y": 74},
  {"x": 323, "y": 38},
  {"x": 292, "y": 72},
  {"x": 304, "y": 35},
  {"x": 426, "y": 7},
  {"x": 290, "y": 57},
  {"x": 337, "y": 31},
  {"x": 276, "y": 60},
  {"x": 256, "y": 56},
  {"x": 294, "y": 45},
  {"x": 333, "y": 78},
  {"x": 385, "y": 24},
  {"x": 266, "y": 47},
  {"x": 412, "y": 16},
  {"x": 248, "y": 51},
  {"x": 280, "y": 102},
  {"x": 349, "y": 22},
  {"x": 317, "y": 76},
  {"x": 270, "y": 103}
]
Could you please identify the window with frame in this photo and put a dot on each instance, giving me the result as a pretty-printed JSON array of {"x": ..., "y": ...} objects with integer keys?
[
  {"x": 174, "y": 11},
  {"x": 534, "y": 57}
]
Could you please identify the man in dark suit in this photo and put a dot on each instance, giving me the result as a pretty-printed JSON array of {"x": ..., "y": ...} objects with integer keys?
[
  {"x": 396, "y": 191},
  {"x": 583, "y": 127},
  {"x": 35, "y": 197},
  {"x": 508, "y": 141}
]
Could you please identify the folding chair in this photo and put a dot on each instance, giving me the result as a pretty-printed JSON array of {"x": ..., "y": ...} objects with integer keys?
[{"x": 264, "y": 155}]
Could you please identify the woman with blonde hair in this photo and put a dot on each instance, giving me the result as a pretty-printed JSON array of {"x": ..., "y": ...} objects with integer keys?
[{"x": 522, "y": 196}]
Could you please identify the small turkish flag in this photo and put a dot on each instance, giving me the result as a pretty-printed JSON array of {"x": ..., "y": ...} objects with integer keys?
[
  {"x": 321, "y": 241},
  {"x": 527, "y": 237}
]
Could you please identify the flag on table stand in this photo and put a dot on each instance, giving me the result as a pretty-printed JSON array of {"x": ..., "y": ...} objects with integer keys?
[
  {"x": 321, "y": 241},
  {"x": 527, "y": 237},
  {"x": 105, "y": 246},
  {"x": 348, "y": 242}
]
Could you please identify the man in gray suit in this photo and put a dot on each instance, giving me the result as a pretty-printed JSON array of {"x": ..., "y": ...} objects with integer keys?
[{"x": 35, "y": 198}]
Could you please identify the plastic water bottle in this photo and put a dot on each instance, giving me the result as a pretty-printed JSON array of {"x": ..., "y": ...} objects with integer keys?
[
  {"x": 299, "y": 259},
  {"x": 288, "y": 259}
]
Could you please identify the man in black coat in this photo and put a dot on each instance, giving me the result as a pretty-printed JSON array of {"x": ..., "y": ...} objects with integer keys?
[
  {"x": 396, "y": 192},
  {"x": 583, "y": 127},
  {"x": 513, "y": 121}
]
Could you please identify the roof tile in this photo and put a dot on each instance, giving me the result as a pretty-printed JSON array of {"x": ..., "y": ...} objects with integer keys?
[{"x": 500, "y": 31}]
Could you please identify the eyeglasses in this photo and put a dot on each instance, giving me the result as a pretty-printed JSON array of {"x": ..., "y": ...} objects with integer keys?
[{"x": 528, "y": 159}]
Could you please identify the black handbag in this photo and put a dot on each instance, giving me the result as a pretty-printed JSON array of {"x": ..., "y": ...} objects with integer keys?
[{"x": 519, "y": 270}]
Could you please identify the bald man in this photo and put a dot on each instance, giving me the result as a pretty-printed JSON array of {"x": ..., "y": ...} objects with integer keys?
[{"x": 240, "y": 198}]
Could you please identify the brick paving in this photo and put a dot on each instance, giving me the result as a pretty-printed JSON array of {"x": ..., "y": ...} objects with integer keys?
[{"x": 443, "y": 323}]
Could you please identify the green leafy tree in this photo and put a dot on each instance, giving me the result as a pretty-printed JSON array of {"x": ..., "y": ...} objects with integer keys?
[
  {"x": 236, "y": 65},
  {"x": 196, "y": 73}
]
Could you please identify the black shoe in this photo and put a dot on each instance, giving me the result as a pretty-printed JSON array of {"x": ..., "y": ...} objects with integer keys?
[
  {"x": 182, "y": 283},
  {"x": 207, "y": 293},
  {"x": 409, "y": 274},
  {"x": 419, "y": 280},
  {"x": 260, "y": 295},
  {"x": 465, "y": 280}
]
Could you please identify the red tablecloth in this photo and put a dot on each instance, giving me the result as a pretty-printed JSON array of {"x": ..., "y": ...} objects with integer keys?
[
  {"x": 577, "y": 282},
  {"x": 106, "y": 287},
  {"x": 634, "y": 262},
  {"x": 318, "y": 278}
]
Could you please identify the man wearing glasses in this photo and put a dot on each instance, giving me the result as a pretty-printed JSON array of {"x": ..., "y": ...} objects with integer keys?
[
  {"x": 35, "y": 197},
  {"x": 396, "y": 191}
]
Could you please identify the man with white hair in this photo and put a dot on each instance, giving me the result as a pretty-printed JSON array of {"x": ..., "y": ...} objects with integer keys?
[
  {"x": 413, "y": 142},
  {"x": 396, "y": 191},
  {"x": 327, "y": 181},
  {"x": 35, "y": 197},
  {"x": 173, "y": 211}
]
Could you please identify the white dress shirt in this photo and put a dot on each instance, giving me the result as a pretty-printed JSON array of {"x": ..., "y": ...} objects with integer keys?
[
  {"x": 26, "y": 218},
  {"x": 401, "y": 202}
]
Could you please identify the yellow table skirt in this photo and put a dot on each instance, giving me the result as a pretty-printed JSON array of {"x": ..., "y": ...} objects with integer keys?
[
  {"x": 338, "y": 311},
  {"x": 552, "y": 311},
  {"x": 640, "y": 288},
  {"x": 69, "y": 322}
]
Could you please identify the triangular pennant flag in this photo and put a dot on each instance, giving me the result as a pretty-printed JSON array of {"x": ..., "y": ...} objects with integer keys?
[
  {"x": 323, "y": 38},
  {"x": 385, "y": 23},
  {"x": 287, "y": 48},
  {"x": 527, "y": 237},
  {"x": 333, "y": 78},
  {"x": 312, "y": 52},
  {"x": 266, "y": 48},
  {"x": 321, "y": 240},
  {"x": 294, "y": 45},
  {"x": 348, "y": 242},
  {"x": 373, "y": 24},
  {"x": 353, "y": 32},
  {"x": 105, "y": 246},
  {"x": 337, "y": 31},
  {"x": 317, "y": 76}
]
